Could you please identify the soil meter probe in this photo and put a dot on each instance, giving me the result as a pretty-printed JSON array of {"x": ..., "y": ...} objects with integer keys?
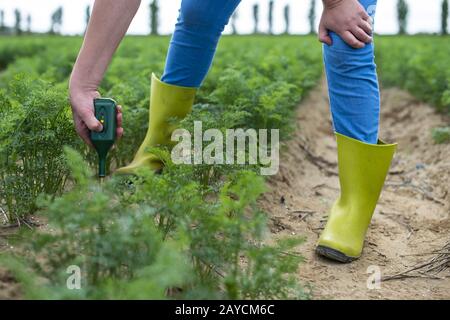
[{"x": 106, "y": 113}]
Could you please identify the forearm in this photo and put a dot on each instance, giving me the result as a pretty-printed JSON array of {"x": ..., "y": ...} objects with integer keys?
[{"x": 108, "y": 24}]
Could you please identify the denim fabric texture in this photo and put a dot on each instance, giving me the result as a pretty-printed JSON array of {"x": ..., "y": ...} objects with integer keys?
[{"x": 351, "y": 73}]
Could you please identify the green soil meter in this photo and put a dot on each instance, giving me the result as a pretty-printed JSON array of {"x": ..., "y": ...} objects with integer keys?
[{"x": 106, "y": 113}]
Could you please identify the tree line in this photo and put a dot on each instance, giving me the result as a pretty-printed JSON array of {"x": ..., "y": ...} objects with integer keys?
[
  {"x": 56, "y": 23},
  {"x": 154, "y": 19}
]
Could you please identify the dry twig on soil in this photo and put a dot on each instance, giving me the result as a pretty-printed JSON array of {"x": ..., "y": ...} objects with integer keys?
[{"x": 431, "y": 269}]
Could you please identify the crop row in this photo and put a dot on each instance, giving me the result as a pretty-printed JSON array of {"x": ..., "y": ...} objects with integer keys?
[
  {"x": 193, "y": 232},
  {"x": 419, "y": 65}
]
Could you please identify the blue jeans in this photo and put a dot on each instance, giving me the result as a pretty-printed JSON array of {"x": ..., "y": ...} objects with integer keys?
[
  {"x": 353, "y": 86},
  {"x": 351, "y": 73},
  {"x": 197, "y": 32}
]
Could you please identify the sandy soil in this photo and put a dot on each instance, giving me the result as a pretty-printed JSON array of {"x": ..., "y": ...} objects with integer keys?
[{"x": 413, "y": 215}]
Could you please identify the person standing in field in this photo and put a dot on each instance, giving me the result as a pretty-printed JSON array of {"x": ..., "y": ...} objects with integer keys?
[{"x": 346, "y": 31}]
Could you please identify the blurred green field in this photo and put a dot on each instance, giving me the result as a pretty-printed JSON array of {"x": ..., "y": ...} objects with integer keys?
[{"x": 418, "y": 64}]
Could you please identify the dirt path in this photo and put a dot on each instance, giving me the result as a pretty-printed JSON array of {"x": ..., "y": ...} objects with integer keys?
[{"x": 413, "y": 215}]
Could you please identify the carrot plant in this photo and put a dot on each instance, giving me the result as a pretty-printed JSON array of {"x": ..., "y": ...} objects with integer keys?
[
  {"x": 35, "y": 125},
  {"x": 419, "y": 65},
  {"x": 11, "y": 50},
  {"x": 192, "y": 232},
  {"x": 441, "y": 135},
  {"x": 156, "y": 236}
]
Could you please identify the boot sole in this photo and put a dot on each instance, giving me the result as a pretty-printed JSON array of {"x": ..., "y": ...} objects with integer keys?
[{"x": 334, "y": 254}]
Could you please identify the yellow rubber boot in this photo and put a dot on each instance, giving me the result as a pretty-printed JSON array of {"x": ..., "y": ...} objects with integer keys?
[
  {"x": 167, "y": 102},
  {"x": 362, "y": 171}
]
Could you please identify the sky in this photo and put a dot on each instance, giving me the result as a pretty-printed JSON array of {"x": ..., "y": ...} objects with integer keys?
[{"x": 424, "y": 15}]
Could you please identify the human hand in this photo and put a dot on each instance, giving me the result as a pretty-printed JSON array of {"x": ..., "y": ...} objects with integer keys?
[
  {"x": 349, "y": 20},
  {"x": 82, "y": 102}
]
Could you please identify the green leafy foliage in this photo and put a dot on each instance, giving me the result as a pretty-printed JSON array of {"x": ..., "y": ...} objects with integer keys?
[
  {"x": 35, "y": 124},
  {"x": 441, "y": 135},
  {"x": 117, "y": 247},
  {"x": 11, "y": 50},
  {"x": 157, "y": 238},
  {"x": 419, "y": 65},
  {"x": 192, "y": 232}
]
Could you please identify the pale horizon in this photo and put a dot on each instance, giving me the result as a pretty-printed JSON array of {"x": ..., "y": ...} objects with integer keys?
[{"x": 424, "y": 17}]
